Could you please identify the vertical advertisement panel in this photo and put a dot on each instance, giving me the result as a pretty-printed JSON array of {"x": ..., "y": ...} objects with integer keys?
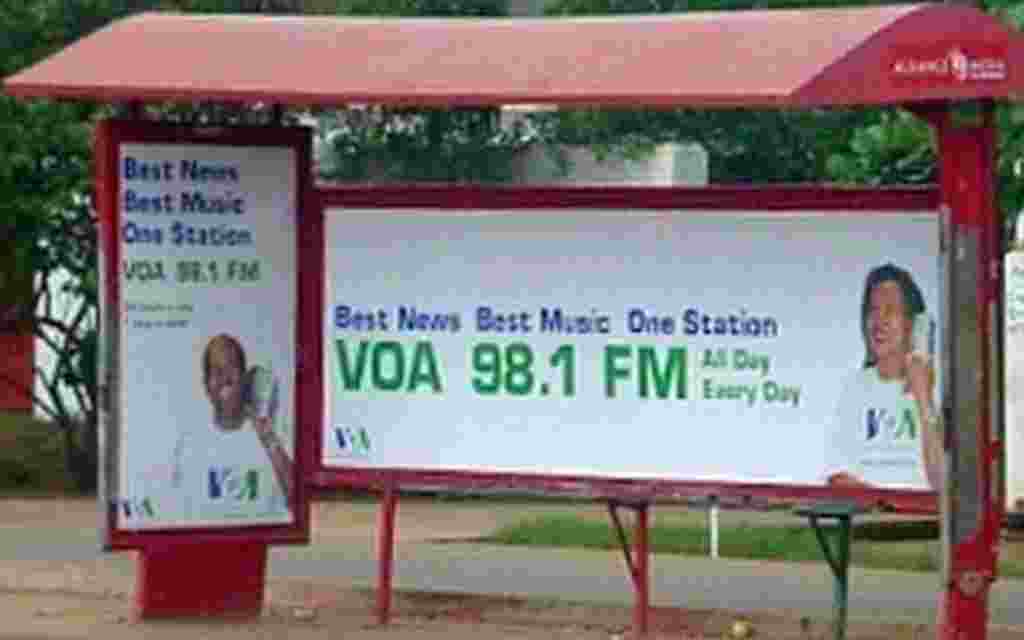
[
  {"x": 787, "y": 348},
  {"x": 1013, "y": 278},
  {"x": 207, "y": 300}
]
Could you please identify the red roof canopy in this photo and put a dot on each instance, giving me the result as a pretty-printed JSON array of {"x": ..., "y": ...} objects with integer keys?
[{"x": 876, "y": 55}]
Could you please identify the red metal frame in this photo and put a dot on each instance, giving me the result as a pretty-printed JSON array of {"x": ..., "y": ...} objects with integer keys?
[
  {"x": 787, "y": 198},
  {"x": 386, "y": 528},
  {"x": 754, "y": 58},
  {"x": 746, "y": 197},
  {"x": 641, "y": 572},
  {"x": 892, "y": 57},
  {"x": 967, "y": 156},
  {"x": 110, "y": 135},
  {"x": 236, "y": 554},
  {"x": 637, "y": 560}
]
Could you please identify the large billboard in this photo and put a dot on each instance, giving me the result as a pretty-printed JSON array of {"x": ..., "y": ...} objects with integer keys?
[
  {"x": 202, "y": 328},
  {"x": 768, "y": 348}
]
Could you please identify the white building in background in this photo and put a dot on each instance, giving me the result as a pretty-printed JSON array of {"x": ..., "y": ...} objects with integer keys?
[
  {"x": 666, "y": 165},
  {"x": 670, "y": 164},
  {"x": 65, "y": 306}
]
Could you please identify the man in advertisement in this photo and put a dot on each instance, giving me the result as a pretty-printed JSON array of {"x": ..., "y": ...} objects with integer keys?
[
  {"x": 239, "y": 465},
  {"x": 887, "y": 430}
]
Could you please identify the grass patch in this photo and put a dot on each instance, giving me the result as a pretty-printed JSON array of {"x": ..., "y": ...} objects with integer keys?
[
  {"x": 787, "y": 543},
  {"x": 897, "y": 530},
  {"x": 32, "y": 459},
  {"x": 792, "y": 543}
]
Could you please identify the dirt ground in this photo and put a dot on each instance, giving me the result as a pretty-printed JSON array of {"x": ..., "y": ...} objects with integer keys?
[
  {"x": 305, "y": 612},
  {"x": 34, "y": 605}
]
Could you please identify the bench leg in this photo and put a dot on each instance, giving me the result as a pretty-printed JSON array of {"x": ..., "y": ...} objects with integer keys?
[{"x": 838, "y": 559}]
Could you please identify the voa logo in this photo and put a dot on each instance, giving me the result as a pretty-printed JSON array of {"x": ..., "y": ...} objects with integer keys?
[
  {"x": 354, "y": 440},
  {"x": 136, "y": 508},
  {"x": 233, "y": 483},
  {"x": 882, "y": 425}
]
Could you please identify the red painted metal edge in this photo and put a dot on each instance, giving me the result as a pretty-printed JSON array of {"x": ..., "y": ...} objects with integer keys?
[
  {"x": 774, "y": 58},
  {"x": 313, "y": 274},
  {"x": 888, "y": 201},
  {"x": 642, "y": 577},
  {"x": 107, "y": 188},
  {"x": 199, "y": 579},
  {"x": 386, "y": 553},
  {"x": 309, "y": 397},
  {"x": 603, "y": 489},
  {"x": 110, "y": 135},
  {"x": 762, "y": 198},
  {"x": 637, "y": 560},
  {"x": 967, "y": 157}
]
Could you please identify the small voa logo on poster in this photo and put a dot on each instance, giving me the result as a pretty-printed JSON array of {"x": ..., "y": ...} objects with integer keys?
[
  {"x": 136, "y": 508},
  {"x": 882, "y": 425},
  {"x": 234, "y": 483},
  {"x": 352, "y": 440}
]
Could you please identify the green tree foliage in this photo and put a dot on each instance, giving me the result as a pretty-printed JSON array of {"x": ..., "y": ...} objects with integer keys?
[
  {"x": 898, "y": 148},
  {"x": 381, "y": 144},
  {"x": 861, "y": 146},
  {"x": 385, "y": 144},
  {"x": 46, "y": 181},
  {"x": 744, "y": 145},
  {"x": 47, "y": 223},
  {"x": 1010, "y": 164},
  {"x": 46, "y": 217}
]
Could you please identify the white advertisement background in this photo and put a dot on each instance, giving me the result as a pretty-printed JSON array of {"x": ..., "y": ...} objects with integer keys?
[
  {"x": 162, "y": 392},
  {"x": 806, "y": 270}
]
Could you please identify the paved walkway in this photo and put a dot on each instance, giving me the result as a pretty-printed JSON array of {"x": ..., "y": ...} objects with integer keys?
[{"x": 62, "y": 554}]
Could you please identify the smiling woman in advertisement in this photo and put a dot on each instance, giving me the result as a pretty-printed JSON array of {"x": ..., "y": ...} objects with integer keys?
[{"x": 887, "y": 430}]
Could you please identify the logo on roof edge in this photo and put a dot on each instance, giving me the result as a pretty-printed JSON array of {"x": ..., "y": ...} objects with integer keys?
[{"x": 956, "y": 65}]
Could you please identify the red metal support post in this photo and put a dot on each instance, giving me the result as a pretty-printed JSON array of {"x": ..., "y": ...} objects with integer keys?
[
  {"x": 972, "y": 503},
  {"x": 386, "y": 552},
  {"x": 201, "y": 579},
  {"x": 641, "y": 577},
  {"x": 637, "y": 562}
]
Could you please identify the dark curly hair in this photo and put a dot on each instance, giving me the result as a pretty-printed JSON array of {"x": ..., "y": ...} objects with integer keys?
[{"x": 913, "y": 300}]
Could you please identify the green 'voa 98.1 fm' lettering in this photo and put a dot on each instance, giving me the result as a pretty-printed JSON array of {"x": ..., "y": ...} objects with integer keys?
[
  {"x": 388, "y": 366},
  {"x": 658, "y": 377},
  {"x": 511, "y": 369}
]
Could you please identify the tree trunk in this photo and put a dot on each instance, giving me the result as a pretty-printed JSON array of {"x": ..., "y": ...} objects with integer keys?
[{"x": 81, "y": 452}]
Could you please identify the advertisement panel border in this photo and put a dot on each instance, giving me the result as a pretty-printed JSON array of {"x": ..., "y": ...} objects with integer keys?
[
  {"x": 702, "y": 201},
  {"x": 110, "y": 136}
]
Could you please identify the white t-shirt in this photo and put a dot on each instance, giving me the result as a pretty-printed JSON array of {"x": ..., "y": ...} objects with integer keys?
[
  {"x": 876, "y": 434},
  {"x": 227, "y": 477}
]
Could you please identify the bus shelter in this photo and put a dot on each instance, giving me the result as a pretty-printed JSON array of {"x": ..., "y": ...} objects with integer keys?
[{"x": 945, "y": 63}]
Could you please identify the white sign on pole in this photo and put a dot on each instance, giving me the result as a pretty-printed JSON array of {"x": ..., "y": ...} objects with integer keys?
[
  {"x": 207, "y": 335},
  {"x": 723, "y": 346}
]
